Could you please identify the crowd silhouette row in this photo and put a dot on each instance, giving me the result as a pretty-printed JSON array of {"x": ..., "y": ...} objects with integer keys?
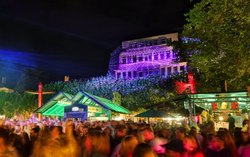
[{"x": 72, "y": 138}]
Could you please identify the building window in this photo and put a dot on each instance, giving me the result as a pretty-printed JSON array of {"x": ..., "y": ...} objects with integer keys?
[
  {"x": 168, "y": 54},
  {"x": 169, "y": 70},
  {"x": 150, "y": 72},
  {"x": 162, "y": 71},
  {"x": 174, "y": 55},
  {"x": 129, "y": 59},
  {"x": 175, "y": 70},
  {"x": 182, "y": 68},
  {"x": 140, "y": 58},
  {"x": 129, "y": 74},
  {"x": 155, "y": 56},
  {"x": 145, "y": 72},
  {"x": 140, "y": 74},
  {"x": 118, "y": 75},
  {"x": 124, "y": 75},
  {"x": 123, "y": 60},
  {"x": 134, "y": 59},
  {"x": 150, "y": 57},
  {"x": 163, "y": 41},
  {"x": 145, "y": 57},
  {"x": 162, "y": 55},
  {"x": 156, "y": 71},
  {"x": 134, "y": 74}
]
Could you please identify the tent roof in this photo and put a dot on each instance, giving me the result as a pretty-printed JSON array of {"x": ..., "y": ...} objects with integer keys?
[
  {"x": 55, "y": 106},
  {"x": 104, "y": 103},
  {"x": 152, "y": 113}
]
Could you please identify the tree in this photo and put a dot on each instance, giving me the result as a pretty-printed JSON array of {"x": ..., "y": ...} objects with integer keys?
[
  {"x": 221, "y": 29},
  {"x": 29, "y": 79}
]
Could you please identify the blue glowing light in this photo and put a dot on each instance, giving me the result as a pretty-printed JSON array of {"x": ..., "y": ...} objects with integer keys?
[{"x": 18, "y": 58}]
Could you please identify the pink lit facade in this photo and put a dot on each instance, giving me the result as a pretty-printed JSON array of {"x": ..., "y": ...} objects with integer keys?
[{"x": 146, "y": 57}]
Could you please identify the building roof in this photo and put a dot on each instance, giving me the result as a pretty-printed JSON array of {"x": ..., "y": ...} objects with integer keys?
[{"x": 55, "y": 106}]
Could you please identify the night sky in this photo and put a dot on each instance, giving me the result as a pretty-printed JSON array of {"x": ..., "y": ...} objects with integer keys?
[{"x": 76, "y": 37}]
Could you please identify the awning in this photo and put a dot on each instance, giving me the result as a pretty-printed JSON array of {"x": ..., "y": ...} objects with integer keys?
[{"x": 205, "y": 100}]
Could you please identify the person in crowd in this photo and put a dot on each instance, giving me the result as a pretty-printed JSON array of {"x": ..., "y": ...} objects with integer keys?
[
  {"x": 128, "y": 145},
  {"x": 56, "y": 132},
  {"x": 15, "y": 141},
  {"x": 97, "y": 144},
  {"x": 242, "y": 141},
  {"x": 245, "y": 125},
  {"x": 132, "y": 128},
  {"x": 158, "y": 142},
  {"x": 231, "y": 122},
  {"x": 229, "y": 141},
  {"x": 191, "y": 148},
  {"x": 61, "y": 146},
  {"x": 244, "y": 146},
  {"x": 145, "y": 134},
  {"x": 73, "y": 138},
  {"x": 238, "y": 137},
  {"x": 6, "y": 150},
  {"x": 180, "y": 133},
  {"x": 143, "y": 150},
  {"x": 216, "y": 147},
  {"x": 120, "y": 133},
  {"x": 198, "y": 136},
  {"x": 174, "y": 148},
  {"x": 241, "y": 138}
]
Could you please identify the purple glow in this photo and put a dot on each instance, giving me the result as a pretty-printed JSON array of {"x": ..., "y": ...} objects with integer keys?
[{"x": 145, "y": 57}]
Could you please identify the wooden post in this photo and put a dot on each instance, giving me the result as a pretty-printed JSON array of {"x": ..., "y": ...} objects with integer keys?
[{"x": 40, "y": 98}]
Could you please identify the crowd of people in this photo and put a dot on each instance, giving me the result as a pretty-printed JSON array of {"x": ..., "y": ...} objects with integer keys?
[{"x": 72, "y": 138}]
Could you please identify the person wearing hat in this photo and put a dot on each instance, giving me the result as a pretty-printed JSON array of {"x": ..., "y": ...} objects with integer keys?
[
  {"x": 175, "y": 147},
  {"x": 244, "y": 148}
]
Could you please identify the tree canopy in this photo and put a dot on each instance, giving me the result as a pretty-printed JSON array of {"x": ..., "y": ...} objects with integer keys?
[
  {"x": 135, "y": 94},
  {"x": 221, "y": 49}
]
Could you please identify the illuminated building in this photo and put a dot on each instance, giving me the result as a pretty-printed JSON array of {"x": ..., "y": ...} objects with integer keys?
[{"x": 145, "y": 57}]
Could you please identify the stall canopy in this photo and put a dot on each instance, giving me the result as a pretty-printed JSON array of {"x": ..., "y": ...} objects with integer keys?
[
  {"x": 152, "y": 113},
  {"x": 229, "y": 100},
  {"x": 55, "y": 106}
]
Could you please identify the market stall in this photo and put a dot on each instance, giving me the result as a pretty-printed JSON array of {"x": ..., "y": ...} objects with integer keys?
[
  {"x": 220, "y": 105},
  {"x": 83, "y": 105}
]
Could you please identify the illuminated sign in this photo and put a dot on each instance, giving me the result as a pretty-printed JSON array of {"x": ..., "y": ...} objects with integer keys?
[
  {"x": 75, "y": 109},
  {"x": 94, "y": 109}
]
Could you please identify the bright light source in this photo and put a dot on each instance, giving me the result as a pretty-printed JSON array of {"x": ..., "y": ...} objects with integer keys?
[
  {"x": 221, "y": 118},
  {"x": 75, "y": 109}
]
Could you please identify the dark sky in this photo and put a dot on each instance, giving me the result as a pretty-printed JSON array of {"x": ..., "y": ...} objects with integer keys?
[{"x": 76, "y": 37}]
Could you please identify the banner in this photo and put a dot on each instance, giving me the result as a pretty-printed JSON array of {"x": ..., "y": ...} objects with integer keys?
[
  {"x": 234, "y": 105},
  {"x": 214, "y": 105}
]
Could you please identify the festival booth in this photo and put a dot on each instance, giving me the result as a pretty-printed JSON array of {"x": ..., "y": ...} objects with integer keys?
[
  {"x": 82, "y": 106},
  {"x": 217, "y": 106}
]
